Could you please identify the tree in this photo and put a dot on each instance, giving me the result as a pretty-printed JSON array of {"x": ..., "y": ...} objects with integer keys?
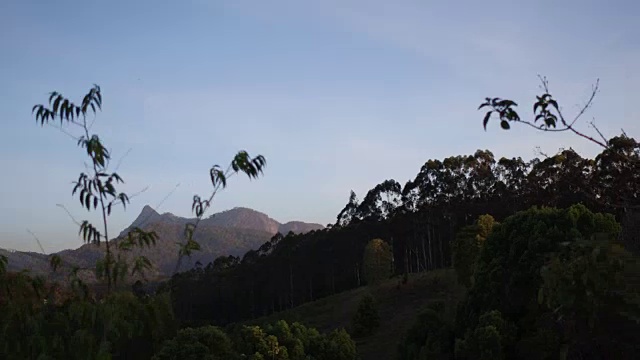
[
  {"x": 594, "y": 289},
  {"x": 36, "y": 323},
  {"x": 366, "y": 319},
  {"x": 338, "y": 346},
  {"x": 430, "y": 337},
  {"x": 467, "y": 245},
  {"x": 508, "y": 272},
  {"x": 548, "y": 117},
  {"x": 486, "y": 341},
  {"x": 207, "y": 343},
  {"x": 97, "y": 188},
  {"x": 377, "y": 261}
]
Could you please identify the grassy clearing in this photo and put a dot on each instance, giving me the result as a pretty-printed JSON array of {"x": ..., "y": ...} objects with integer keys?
[{"x": 398, "y": 306}]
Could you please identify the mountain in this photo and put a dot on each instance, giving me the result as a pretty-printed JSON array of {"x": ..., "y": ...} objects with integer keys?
[
  {"x": 231, "y": 232},
  {"x": 237, "y": 218}
]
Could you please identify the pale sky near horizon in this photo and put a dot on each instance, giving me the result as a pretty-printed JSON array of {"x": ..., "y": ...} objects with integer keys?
[{"x": 336, "y": 94}]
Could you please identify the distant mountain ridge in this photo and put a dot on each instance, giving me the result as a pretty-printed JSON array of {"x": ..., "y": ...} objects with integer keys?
[
  {"x": 230, "y": 232},
  {"x": 238, "y": 217}
]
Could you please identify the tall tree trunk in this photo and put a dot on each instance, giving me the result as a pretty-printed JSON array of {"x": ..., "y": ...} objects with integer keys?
[
  {"x": 406, "y": 262},
  {"x": 290, "y": 285},
  {"x": 393, "y": 260},
  {"x": 333, "y": 279},
  {"x": 443, "y": 264},
  {"x": 424, "y": 253}
]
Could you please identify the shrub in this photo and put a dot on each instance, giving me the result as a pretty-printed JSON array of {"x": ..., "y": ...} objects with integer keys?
[
  {"x": 430, "y": 337},
  {"x": 207, "y": 343},
  {"x": 366, "y": 319}
]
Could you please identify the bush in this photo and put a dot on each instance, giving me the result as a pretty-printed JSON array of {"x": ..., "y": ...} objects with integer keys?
[
  {"x": 338, "y": 346},
  {"x": 366, "y": 319},
  {"x": 293, "y": 342},
  {"x": 206, "y": 343},
  {"x": 430, "y": 337},
  {"x": 486, "y": 341}
]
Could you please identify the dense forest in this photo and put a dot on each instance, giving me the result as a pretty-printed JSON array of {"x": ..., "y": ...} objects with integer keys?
[
  {"x": 545, "y": 249},
  {"x": 419, "y": 220}
]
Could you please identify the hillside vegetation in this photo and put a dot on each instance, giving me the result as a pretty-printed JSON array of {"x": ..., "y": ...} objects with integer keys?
[{"x": 398, "y": 306}]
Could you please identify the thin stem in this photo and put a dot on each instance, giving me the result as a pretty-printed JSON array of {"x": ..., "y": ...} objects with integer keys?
[
  {"x": 228, "y": 174},
  {"x": 107, "y": 263}
]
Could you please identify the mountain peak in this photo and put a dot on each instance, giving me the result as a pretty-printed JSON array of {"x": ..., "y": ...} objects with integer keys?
[
  {"x": 148, "y": 211},
  {"x": 237, "y": 217}
]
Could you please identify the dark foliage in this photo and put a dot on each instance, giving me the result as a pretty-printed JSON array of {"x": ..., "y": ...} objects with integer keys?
[{"x": 419, "y": 221}]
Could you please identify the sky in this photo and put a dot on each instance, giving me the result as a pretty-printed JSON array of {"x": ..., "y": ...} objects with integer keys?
[{"x": 338, "y": 95}]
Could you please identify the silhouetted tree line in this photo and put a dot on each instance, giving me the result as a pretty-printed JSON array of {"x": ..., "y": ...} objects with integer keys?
[{"x": 419, "y": 220}]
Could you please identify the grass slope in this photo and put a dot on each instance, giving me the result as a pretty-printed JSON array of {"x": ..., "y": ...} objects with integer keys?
[{"x": 398, "y": 307}]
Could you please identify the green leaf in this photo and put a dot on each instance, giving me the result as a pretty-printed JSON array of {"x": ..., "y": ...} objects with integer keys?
[
  {"x": 505, "y": 125},
  {"x": 486, "y": 119}
]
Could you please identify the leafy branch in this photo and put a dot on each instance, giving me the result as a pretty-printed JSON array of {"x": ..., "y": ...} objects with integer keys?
[
  {"x": 548, "y": 117},
  {"x": 547, "y": 113},
  {"x": 95, "y": 188},
  {"x": 241, "y": 163}
]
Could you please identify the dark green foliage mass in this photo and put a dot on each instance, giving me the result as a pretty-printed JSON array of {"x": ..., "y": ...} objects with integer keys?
[
  {"x": 120, "y": 327},
  {"x": 366, "y": 320},
  {"x": 206, "y": 343},
  {"x": 519, "y": 267},
  {"x": 466, "y": 247},
  {"x": 430, "y": 337}
]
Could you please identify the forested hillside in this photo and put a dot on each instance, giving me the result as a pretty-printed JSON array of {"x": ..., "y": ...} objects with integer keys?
[{"x": 419, "y": 220}]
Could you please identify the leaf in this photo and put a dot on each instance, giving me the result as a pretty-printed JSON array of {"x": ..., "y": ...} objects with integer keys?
[
  {"x": 505, "y": 125},
  {"x": 56, "y": 103},
  {"x": 52, "y": 95},
  {"x": 540, "y": 296}
]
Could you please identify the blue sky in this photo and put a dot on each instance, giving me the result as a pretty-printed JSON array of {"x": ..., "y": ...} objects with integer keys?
[{"x": 336, "y": 94}]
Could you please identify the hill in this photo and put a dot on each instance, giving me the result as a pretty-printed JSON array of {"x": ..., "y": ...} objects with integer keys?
[
  {"x": 399, "y": 306},
  {"x": 238, "y": 218},
  {"x": 231, "y": 232}
]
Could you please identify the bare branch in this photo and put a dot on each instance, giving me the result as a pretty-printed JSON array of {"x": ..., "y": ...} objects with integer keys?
[
  {"x": 545, "y": 87},
  {"x": 538, "y": 151},
  {"x": 69, "y": 213},
  {"x": 121, "y": 158},
  {"x": 118, "y": 201},
  {"x": 593, "y": 125},
  {"x": 63, "y": 130},
  {"x": 594, "y": 91},
  {"x": 38, "y": 241}
]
